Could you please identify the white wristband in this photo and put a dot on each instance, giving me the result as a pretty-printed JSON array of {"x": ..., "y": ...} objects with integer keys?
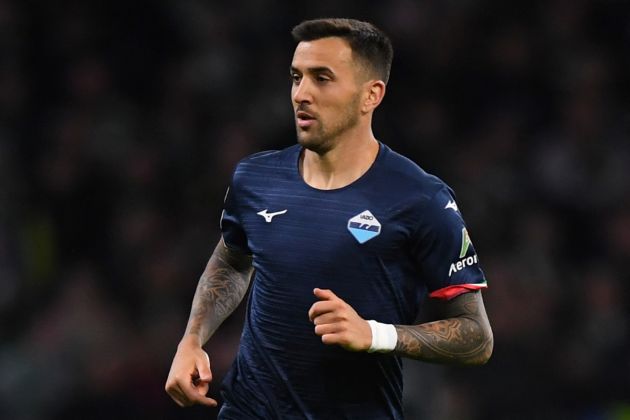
[{"x": 384, "y": 337}]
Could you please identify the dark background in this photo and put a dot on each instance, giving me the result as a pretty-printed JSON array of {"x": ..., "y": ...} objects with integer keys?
[{"x": 120, "y": 124}]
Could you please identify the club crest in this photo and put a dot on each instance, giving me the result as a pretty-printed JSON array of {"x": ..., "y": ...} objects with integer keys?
[{"x": 364, "y": 226}]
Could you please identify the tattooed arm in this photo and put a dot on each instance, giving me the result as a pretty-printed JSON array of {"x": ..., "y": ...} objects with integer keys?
[
  {"x": 221, "y": 288},
  {"x": 463, "y": 336}
]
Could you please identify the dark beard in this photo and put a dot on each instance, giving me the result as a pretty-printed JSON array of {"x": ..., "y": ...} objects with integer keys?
[
  {"x": 323, "y": 142},
  {"x": 319, "y": 147}
]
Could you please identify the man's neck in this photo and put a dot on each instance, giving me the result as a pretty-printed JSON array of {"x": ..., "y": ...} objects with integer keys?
[{"x": 340, "y": 166}]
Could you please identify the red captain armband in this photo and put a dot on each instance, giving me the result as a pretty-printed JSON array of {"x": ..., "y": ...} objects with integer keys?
[{"x": 448, "y": 293}]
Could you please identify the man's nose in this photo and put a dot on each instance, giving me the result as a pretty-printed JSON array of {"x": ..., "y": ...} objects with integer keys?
[{"x": 302, "y": 92}]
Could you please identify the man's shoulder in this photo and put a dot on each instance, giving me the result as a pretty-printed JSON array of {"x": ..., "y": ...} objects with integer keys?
[
  {"x": 271, "y": 159},
  {"x": 256, "y": 170},
  {"x": 408, "y": 175}
]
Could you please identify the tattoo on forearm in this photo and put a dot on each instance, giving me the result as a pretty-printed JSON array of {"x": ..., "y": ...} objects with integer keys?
[
  {"x": 463, "y": 338},
  {"x": 220, "y": 290}
]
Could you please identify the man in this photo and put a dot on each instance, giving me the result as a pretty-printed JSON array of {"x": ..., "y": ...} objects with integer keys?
[{"x": 347, "y": 238}]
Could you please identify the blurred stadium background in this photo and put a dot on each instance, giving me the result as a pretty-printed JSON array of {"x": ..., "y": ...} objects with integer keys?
[{"x": 121, "y": 121}]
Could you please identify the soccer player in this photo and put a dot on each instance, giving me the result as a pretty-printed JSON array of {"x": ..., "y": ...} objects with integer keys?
[{"x": 346, "y": 239}]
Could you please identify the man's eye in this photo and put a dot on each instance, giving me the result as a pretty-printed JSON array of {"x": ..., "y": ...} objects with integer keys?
[
  {"x": 295, "y": 78},
  {"x": 323, "y": 79}
]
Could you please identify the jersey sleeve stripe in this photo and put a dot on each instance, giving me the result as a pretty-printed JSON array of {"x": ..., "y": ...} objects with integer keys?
[{"x": 450, "y": 292}]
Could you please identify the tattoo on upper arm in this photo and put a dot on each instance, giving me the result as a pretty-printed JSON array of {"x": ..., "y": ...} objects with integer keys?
[
  {"x": 221, "y": 288},
  {"x": 463, "y": 337}
]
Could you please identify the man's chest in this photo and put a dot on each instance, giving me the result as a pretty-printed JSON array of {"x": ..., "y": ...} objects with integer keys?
[{"x": 314, "y": 226}]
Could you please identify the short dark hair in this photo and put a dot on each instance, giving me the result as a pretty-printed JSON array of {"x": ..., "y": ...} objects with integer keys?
[{"x": 369, "y": 43}]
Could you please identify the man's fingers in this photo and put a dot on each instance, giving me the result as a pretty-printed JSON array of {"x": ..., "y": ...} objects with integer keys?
[
  {"x": 196, "y": 395},
  {"x": 327, "y": 329},
  {"x": 195, "y": 398},
  {"x": 179, "y": 396},
  {"x": 333, "y": 338},
  {"x": 206, "y": 401},
  {"x": 189, "y": 380},
  {"x": 321, "y": 307},
  {"x": 328, "y": 302},
  {"x": 178, "y": 401},
  {"x": 203, "y": 369},
  {"x": 202, "y": 388},
  {"x": 325, "y": 294},
  {"x": 199, "y": 390},
  {"x": 326, "y": 318},
  {"x": 194, "y": 391}
]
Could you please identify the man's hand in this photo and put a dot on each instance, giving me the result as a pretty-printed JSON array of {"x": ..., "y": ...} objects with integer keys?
[
  {"x": 336, "y": 322},
  {"x": 189, "y": 379}
]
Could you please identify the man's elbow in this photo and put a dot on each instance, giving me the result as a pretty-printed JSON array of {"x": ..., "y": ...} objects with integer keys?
[{"x": 486, "y": 346}]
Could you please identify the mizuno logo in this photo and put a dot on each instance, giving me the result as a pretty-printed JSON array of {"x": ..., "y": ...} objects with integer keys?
[
  {"x": 269, "y": 216},
  {"x": 451, "y": 205}
]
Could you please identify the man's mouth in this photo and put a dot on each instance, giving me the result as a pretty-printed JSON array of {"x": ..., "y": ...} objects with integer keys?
[{"x": 304, "y": 119}]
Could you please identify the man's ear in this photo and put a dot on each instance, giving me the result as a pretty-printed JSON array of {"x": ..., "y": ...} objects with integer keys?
[{"x": 374, "y": 93}]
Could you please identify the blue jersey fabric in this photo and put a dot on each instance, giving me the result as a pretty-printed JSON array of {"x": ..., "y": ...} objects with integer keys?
[{"x": 380, "y": 244}]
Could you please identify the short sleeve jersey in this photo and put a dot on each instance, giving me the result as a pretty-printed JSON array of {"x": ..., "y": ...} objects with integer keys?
[{"x": 382, "y": 244}]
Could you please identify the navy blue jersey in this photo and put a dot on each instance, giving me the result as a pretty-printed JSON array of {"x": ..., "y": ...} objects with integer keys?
[{"x": 381, "y": 244}]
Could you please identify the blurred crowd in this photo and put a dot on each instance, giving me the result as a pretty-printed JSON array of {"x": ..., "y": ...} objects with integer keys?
[{"x": 120, "y": 124}]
